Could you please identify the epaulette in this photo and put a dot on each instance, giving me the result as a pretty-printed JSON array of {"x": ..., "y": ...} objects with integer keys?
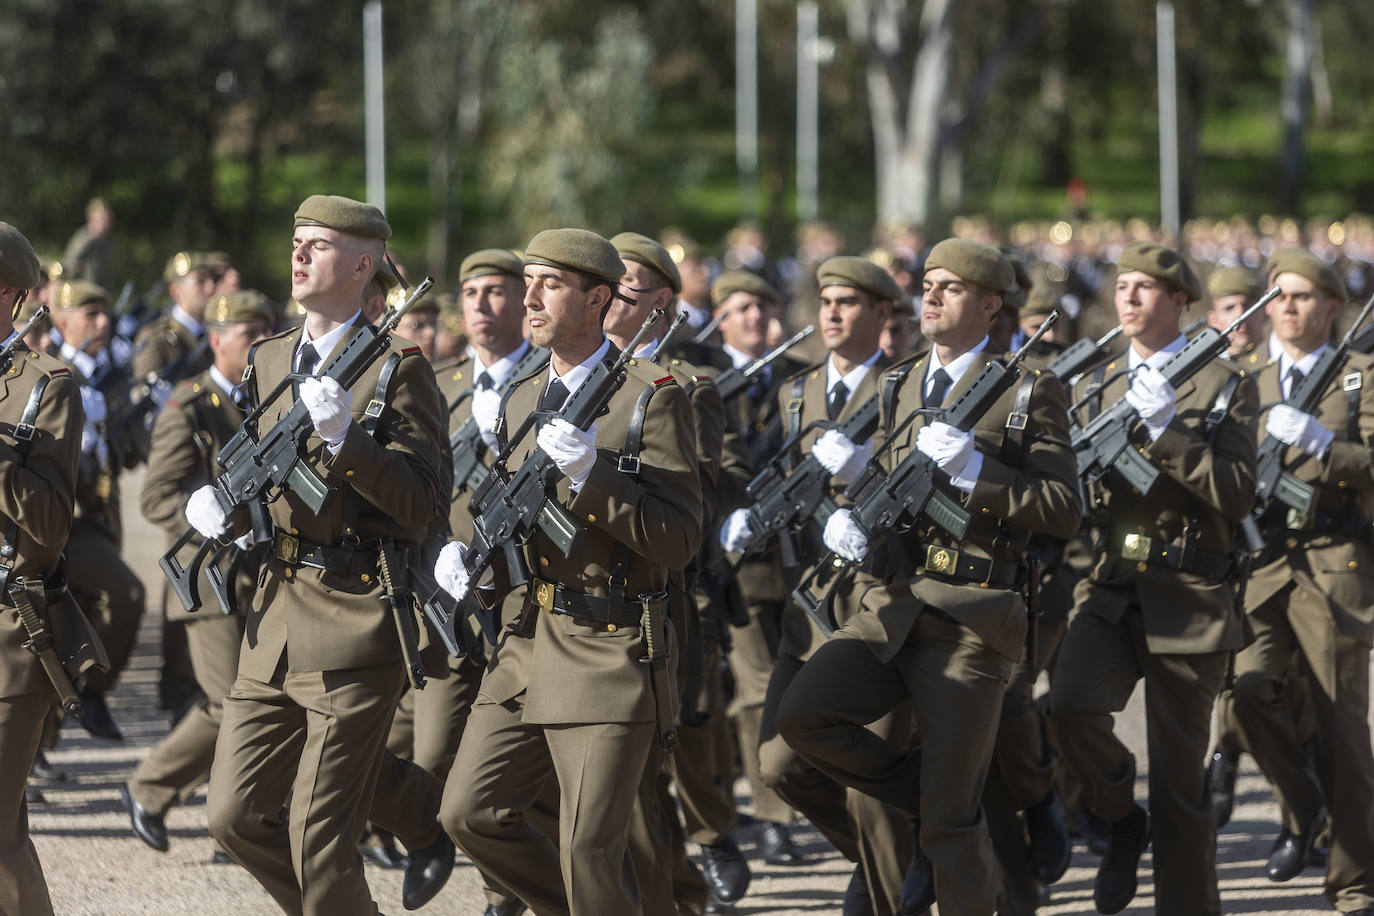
[
  {"x": 664, "y": 381},
  {"x": 411, "y": 350},
  {"x": 810, "y": 371}
]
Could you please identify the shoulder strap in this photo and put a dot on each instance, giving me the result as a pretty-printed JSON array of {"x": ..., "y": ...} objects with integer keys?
[
  {"x": 1220, "y": 407},
  {"x": 23, "y": 440},
  {"x": 628, "y": 462},
  {"x": 1013, "y": 439},
  {"x": 1094, "y": 392},
  {"x": 794, "y": 408},
  {"x": 1352, "y": 383},
  {"x": 378, "y": 402}
]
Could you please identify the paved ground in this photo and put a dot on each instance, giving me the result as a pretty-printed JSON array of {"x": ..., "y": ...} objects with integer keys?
[{"x": 95, "y": 866}]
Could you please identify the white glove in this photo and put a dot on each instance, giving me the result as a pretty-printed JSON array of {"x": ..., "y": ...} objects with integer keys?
[
  {"x": 204, "y": 513},
  {"x": 451, "y": 572},
  {"x": 844, "y": 537},
  {"x": 244, "y": 541},
  {"x": 737, "y": 534},
  {"x": 948, "y": 446},
  {"x": 486, "y": 407},
  {"x": 1293, "y": 427},
  {"x": 838, "y": 454},
  {"x": 572, "y": 449},
  {"x": 1153, "y": 398},
  {"x": 330, "y": 408}
]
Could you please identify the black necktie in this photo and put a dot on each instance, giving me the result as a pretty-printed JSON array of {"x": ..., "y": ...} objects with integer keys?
[
  {"x": 554, "y": 396},
  {"x": 939, "y": 387},
  {"x": 838, "y": 395},
  {"x": 484, "y": 382},
  {"x": 310, "y": 359},
  {"x": 1295, "y": 377}
]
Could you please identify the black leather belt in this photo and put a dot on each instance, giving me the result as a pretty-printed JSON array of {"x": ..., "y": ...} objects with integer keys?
[
  {"x": 1147, "y": 551},
  {"x": 955, "y": 565},
  {"x": 557, "y": 599},
  {"x": 343, "y": 561}
]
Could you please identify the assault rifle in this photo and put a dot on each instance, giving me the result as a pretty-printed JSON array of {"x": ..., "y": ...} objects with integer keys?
[
  {"x": 259, "y": 466},
  {"x": 1272, "y": 482},
  {"x": 509, "y": 506},
  {"x": 733, "y": 381},
  {"x": 1082, "y": 355},
  {"x": 1105, "y": 442},
  {"x": 661, "y": 350},
  {"x": 883, "y": 502},
  {"x": 7, "y": 353},
  {"x": 466, "y": 443}
]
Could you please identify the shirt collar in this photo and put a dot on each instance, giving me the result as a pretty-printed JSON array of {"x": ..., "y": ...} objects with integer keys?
[
  {"x": 1159, "y": 357},
  {"x": 579, "y": 373},
  {"x": 1303, "y": 365},
  {"x": 503, "y": 368},
  {"x": 855, "y": 376},
  {"x": 84, "y": 362},
  {"x": 186, "y": 321},
  {"x": 327, "y": 342},
  {"x": 957, "y": 366},
  {"x": 738, "y": 357},
  {"x": 222, "y": 381}
]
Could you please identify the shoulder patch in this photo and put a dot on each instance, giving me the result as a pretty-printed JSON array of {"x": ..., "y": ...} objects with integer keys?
[
  {"x": 59, "y": 370},
  {"x": 663, "y": 381},
  {"x": 409, "y": 350}
]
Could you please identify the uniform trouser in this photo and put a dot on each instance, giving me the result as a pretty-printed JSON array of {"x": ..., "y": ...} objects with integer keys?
[
  {"x": 406, "y": 801},
  {"x": 112, "y": 596},
  {"x": 752, "y": 657},
  {"x": 23, "y": 892},
  {"x": 429, "y": 723},
  {"x": 1295, "y": 620},
  {"x": 955, "y": 684},
  {"x": 1099, "y": 665},
  {"x": 703, "y": 766},
  {"x": 180, "y": 762},
  {"x": 505, "y": 766},
  {"x": 307, "y": 745},
  {"x": 866, "y": 831},
  {"x": 655, "y": 846}
]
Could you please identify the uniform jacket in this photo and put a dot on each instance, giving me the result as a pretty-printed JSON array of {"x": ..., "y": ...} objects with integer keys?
[
  {"x": 162, "y": 343},
  {"x": 573, "y": 670},
  {"x": 1215, "y": 482},
  {"x": 323, "y": 620},
  {"x": 97, "y": 488},
  {"x": 36, "y": 495}
]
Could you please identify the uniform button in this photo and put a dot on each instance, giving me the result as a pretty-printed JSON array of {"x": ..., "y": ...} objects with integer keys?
[
  {"x": 366, "y": 577},
  {"x": 543, "y": 561},
  {"x": 295, "y": 530},
  {"x": 1353, "y": 564},
  {"x": 1340, "y": 483},
  {"x": 986, "y": 510},
  {"x": 1292, "y": 542},
  {"x": 289, "y": 572},
  {"x": 1141, "y": 567},
  {"x": 591, "y": 517},
  {"x": 611, "y": 628},
  {"x": 348, "y": 473}
]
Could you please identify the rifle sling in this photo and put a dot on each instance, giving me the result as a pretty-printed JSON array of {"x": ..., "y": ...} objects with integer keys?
[{"x": 23, "y": 441}]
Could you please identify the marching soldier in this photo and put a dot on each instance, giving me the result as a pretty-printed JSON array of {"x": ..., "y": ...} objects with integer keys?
[
  {"x": 575, "y": 689},
  {"x": 320, "y": 670},
  {"x": 1233, "y": 290},
  {"x": 190, "y": 280},
  {"x": 946, "y": 629},
  {"x": 1159, "y": 602},
  {"x": 202, "y": 416},
  {"x": 38, "y": 481},
  {"x": 1311, "y": 594}
]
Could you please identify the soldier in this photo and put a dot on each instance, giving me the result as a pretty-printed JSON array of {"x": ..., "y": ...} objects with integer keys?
[
  {"x": 175, "y": 337},
  {"x": 320, "y": 669},
  {"x": 943, "y": 632},
  {"x": 202, "y": 416},
  {"x": 227, "y": 279},
  {"x": 87, "y": 256},
  {"x": 107, "y": 588},
  {"x": 1310, "y": 595},
  {"x": 1159, "y": 602},
  {"x": 38, "y": 480},
  {"x": 565, "y": 695},
  {"x": 1232, "y": 291},
  {"x": 1040, "y": 302},
  {"x": 856, "y": 301},
  {"x": 899, "y": 335}
]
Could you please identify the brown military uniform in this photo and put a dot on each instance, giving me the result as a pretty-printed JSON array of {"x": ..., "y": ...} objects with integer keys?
[
  {"x": 35, "y": 495},
  {"x": 947, "y": 644},
  {"x": 320, "y": 667},
  {"x": 565, "y": 696},
  {"x": 162, "y": 343},
  {"x": 1311, "y": 594},
  {"x": 1173, "y": 627}
]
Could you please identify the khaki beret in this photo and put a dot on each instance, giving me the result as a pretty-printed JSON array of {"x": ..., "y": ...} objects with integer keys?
[
  {"x": 219, "y": 261},
  {"x": 1162, "y": 264},
  {"x": 1233, "y": 281},
  {"x": 1041, "y": 300},
  {"x": 635, "y": 247},
  {"x": 451, "y": 313},
  {"x": 183, "y": 263},
  {"x": 743, "y": 281},
  {"x": 343, "y": 214},
  {"x": 1304, "y": 263},
  {"x": 239, "y": 306},
  {"x": 973, "y": 262},
  {"x": 490, "y": 261},
  {"x": 860, "y": 273},
  {"x": 18, "y": 263},
  {"x": 76, "y": 293},
  {"x": 576, "y": 249}
]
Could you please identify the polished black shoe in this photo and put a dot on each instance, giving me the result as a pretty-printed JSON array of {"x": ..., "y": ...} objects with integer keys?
[
  {"x": 1221, "y": 777},
  {"x": 43, "y": 769},
  {"x": 1116, "y": 876},
  {"x": 147, "y": 826},
  {"x": 32, "y": 796},
  {"x": 427, "y": 872},
  {"x": 505, "y": 909},
  {"x": 1290, "y": 853},
  {"x": 220, "y": 857},
  {"x": 380, "y": 849},
  {"x": 1050, "y": 849},
  {"x": 918, "y": 887},
  {"x": 776, "y": 845},
  {"x": 719, "y": 908},
  {"x": 726, "y": 872},
  {"x": 1097, "y": 833},
  {"x": 95, "y": 717},
  {"x": 857, "y": 899}
]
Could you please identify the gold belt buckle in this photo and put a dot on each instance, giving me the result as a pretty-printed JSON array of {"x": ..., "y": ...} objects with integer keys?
[
  {"x": 1136, "y": 547},
  {"x": 287, "y": 548},
  {"x": 1298, "y": 520},
  {"x": 942, "y": 560},
  {"x": 543, "y": 595}
]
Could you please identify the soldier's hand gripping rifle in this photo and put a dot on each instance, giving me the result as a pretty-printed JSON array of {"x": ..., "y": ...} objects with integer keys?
[
  {"x": 1272, "y": 482},
  {"x": 885, "y": 503},
  {"x": 509, "y": 506},
  {"x": 733, "y": 382},
  {"x": 1105, "y": 442},
  {"x": 258, "y": 467}
]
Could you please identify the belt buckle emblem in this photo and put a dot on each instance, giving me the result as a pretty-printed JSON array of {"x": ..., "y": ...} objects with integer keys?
[
  {"x": 287, "y": 548},
  {"x": 942, "y": 560},
  {"x": 1136, "y": 547},
  {"x": 543, "y": 596}
]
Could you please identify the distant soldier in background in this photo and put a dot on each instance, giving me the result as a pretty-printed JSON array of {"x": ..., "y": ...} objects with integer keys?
[
  {"x": 87, "y": 256},
  {"x": 1232, "y": 291}
]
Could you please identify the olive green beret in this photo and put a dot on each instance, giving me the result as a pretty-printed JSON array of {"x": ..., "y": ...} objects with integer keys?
[
  {"x": 1304, "y": 263},
  {"x": 1041, "y": 300},
  {"x": 491, "y": 261},
  {"x": 1162, "y": 264},
  {"x": 576, "y": 249},
  {"x": 18, "y": 263},
  {"x": 76, "y": 293},
  {"x": 743, "y": 281},
  {"x": 1233, "y": 281},
  {"x": 635, "y": 247},
  {"x": 344, "y": 215},
  {"x": 218, "y": 261},
  {"x": 860, "y": 273},
  {"x": 183, "y": 263},
  {"x": 973, "y": 262},
  {"x": 239, "y": 306}
]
